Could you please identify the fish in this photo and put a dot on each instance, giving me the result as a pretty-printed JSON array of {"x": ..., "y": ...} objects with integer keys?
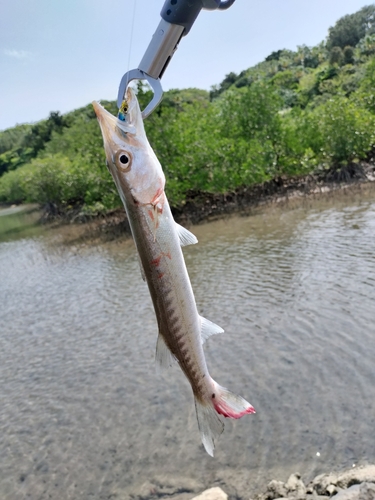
[{"x": 140, "y": 181}]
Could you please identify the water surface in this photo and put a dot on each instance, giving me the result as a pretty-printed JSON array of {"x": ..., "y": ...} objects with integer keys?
[{"x": 82, "y": 412}]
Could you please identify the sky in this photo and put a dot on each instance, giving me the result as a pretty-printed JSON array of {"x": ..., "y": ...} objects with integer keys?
[{"x": 58, "y": 55}]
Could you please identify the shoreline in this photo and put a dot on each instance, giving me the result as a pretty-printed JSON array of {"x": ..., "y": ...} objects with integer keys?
[
  {"x": 350, "y": 484},
  {"x": 205, "y": 207},
  {"x": 356, "y": 483}
]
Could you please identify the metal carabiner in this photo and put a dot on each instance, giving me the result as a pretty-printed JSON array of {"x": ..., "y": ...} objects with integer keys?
[
  {"x": 155, "y": 84},
  {"x": 178, "y": 16},
  {"x": 225, "y": 4}
]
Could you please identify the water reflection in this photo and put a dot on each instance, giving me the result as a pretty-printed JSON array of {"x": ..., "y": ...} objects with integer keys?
[
  {"x": 18, "y": 222},
  {"x": 82, "y": 412}
]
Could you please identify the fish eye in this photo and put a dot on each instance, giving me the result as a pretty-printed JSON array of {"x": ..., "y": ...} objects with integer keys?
[{"x": 123, "y": 160}]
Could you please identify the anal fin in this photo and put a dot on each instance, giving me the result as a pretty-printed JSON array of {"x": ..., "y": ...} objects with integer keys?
[{"x": 208, "y": 328}]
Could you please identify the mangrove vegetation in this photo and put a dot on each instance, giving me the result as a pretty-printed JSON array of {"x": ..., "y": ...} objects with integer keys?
[{"x": 297, "y": 112}]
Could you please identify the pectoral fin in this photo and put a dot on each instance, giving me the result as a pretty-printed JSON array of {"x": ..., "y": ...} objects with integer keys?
[
  {"x": 141, "y": 267},
  {"x": 186, "y": 237},
  {"x": 164, "y": 358}
]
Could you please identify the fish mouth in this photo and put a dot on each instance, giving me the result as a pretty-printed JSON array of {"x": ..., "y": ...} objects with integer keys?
[{"x": 109, "y": 124}]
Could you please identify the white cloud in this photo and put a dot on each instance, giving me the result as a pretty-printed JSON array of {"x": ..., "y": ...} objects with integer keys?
[{"x": 17, "y": 54}]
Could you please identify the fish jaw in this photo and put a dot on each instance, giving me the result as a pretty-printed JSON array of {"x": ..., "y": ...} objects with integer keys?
[{"x": 130, "y": 159}]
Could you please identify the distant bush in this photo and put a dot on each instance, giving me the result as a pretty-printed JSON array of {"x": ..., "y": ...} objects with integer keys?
[
  {"x": 14, "y": 185},
  {"x": 58, "y": 181},
  {"x": 341, "y": 131}
]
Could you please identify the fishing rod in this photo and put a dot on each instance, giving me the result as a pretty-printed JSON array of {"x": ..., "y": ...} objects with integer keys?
[{"x": 177, "y": 18}]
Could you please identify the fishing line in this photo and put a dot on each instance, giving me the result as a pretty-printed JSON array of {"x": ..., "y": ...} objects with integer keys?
[
  {"x": 131, "y": 33},
  {"x": 124, "y": 106}
]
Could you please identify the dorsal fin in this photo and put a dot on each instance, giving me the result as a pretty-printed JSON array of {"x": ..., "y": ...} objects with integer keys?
[
  {"x": 186, "y": 237},
  {"x": 208, "y": 328}
]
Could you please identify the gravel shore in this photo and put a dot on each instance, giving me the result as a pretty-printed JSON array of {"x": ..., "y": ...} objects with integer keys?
[{"x": 356, "y": 483}]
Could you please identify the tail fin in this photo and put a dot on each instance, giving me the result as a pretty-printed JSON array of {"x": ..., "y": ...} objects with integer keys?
[
  {"x": 228, "y": 404},
  {"x": 223, "y": 402},
  {"x": 210, "y": 425}
]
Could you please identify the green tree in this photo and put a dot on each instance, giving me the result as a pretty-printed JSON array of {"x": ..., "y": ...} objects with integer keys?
[
  {"x": 252, "y": 111},
  {"x": 367, "y": 45},
  {"x": 336, "y": 56},
  {"x": 348, "y": 54},
  {"x": 341, "y": 131},
  {"x": 275, "y": 56},
  {"x": 351, "y": 28},
  {"x": 296, "y": 149},
  {"x": 250, "y": 115},
  {"x": 229, "y": 80},
  {"x": 365, "y": 96}
]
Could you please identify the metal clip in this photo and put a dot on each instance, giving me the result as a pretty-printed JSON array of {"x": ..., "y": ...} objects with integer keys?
[
  {"x": 155, "y": 84},
  {"x": 225, "y": 4}
]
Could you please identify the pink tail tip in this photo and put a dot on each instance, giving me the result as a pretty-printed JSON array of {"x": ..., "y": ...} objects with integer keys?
[
  {"x": 230, "y": 405},
  {"x": 228, "y": 412}
]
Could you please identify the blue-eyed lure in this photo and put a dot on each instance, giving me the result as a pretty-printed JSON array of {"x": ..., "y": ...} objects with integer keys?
[{"x": 122, "y": 112}]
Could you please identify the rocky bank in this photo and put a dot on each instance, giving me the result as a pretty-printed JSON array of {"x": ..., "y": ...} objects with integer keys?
[{"x": 357, "y": 483}]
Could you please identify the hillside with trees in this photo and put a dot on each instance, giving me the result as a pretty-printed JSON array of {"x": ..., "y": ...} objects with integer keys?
[{"x": 297, "y": 112}]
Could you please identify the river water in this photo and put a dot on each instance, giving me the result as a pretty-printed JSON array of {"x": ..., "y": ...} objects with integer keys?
[{"x": 83, "y": 413}]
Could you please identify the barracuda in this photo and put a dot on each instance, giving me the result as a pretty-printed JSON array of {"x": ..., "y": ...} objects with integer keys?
[{"x": 140, "y": 182}]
